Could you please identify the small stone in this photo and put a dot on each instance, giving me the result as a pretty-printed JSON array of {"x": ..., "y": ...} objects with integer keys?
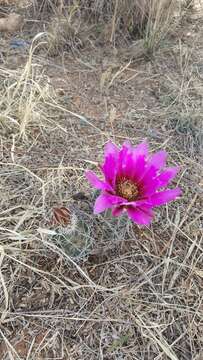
[{"x": 12, "y": 23}]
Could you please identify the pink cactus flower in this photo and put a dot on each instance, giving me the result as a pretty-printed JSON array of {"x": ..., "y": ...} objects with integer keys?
[{"x": 132, "y": 182}]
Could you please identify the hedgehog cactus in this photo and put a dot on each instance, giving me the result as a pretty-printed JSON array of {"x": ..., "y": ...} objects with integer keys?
[{"x": 72, "y": 231}]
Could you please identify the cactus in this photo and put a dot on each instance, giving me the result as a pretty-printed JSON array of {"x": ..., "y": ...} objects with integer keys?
[{"x": 72, "y": 231}]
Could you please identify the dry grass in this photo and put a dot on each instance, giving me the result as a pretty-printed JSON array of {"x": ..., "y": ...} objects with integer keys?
[
  {"x": 99, "y": 288},
  {"x": 22, "y": 93},
  {"x": 114, "y": 22}
]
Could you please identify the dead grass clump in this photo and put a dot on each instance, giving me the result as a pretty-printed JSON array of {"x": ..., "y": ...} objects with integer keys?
[
  {"x": 159, "y": 22},
  {"x": 47, "y": 6},
  {"x": 148, "y": 19},
  {"x": 22, "y": 94},
  {"x": 113, "y": 20},
  {"x": 66, "y": 33}
]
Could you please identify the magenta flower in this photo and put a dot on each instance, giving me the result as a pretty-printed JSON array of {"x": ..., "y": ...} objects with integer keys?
[{"x": 133, "y": 179}]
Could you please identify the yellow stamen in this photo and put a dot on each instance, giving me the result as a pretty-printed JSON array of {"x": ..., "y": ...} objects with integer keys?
[{"x": 127, "y": 189}]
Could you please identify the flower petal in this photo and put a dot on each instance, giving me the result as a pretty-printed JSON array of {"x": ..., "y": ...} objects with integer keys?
[
  {"x": 128, "y": 167},
  {"x": 128, "y": 145},
  {"x": 166, "y": 176},
  {"x": 138, "y": 203},
  {"x": 111, "y": 148},
  {"x": 122, "y": 158},
  {"x": 147, "y": 178},
  {"x": 141, "y": 149},
  {"x": 106, "y": 201},
  {"x": 109, "y": 169},
  {"x": 131, "y": 161},
  {"x": 163, "y": 197},
  {"x": 117, "y": 211},
  {"x": 96, "y": 182},
  {"x": 141, "y": 216},
  {"x": 138, "y": 168},
  {"x": 151, "y": 182},
  {"x": 149, "y": 187},
  {"x": 158, "y": 160}
]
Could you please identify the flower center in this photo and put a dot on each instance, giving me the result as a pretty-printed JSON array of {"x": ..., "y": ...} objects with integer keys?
[{"x": 127, "y": 189}]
